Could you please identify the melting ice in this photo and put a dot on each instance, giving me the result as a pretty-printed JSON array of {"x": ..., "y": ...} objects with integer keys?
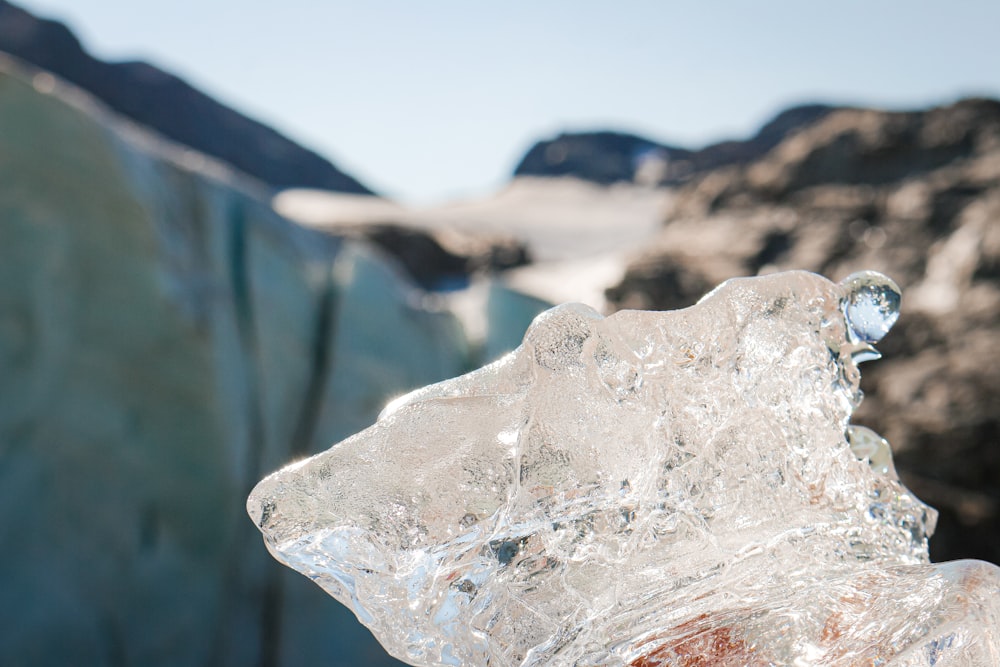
[{"x": 649, "y": 488}]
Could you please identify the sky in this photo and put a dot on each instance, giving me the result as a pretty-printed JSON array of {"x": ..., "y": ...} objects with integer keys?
[{"x": 436, "y": 100}]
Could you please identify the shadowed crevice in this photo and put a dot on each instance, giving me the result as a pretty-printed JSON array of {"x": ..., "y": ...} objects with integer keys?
[{"x": 320, "y": 369}]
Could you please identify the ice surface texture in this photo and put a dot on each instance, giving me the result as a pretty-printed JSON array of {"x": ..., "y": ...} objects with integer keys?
[{"x": 650, "y": 488}]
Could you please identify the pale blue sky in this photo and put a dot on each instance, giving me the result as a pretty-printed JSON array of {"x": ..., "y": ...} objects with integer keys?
[{"x": 431, "y": 100}]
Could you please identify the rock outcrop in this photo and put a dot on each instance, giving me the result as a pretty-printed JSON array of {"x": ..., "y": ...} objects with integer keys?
[
  {"x": 166, "y": 339},
  {"x": 915, "y": 196},
  {"x": 616, "y": 157},
  {"x": 600, "y": 157},
  {"x": 161, "y": 101},
  {"x": 439, "y": 259}
]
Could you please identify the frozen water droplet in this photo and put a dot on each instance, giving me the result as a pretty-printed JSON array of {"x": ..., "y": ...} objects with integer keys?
[
  {"x": 867, "y": 444},
  {"x": 871, "y": 305},
  {"x": 865, "y": 352}
]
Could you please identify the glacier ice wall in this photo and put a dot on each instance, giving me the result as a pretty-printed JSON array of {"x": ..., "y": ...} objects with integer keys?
[{"x": 165, "y": 340}]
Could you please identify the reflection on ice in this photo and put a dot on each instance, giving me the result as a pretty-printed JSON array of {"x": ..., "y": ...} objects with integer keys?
[
  {"x": 871, "y": 305},
  {"x": 650, "y": 488}
]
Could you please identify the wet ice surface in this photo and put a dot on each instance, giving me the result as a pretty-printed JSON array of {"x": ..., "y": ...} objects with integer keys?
[
  {"x": 871, "y": 305},
  {"x": 650, "y": 488}
]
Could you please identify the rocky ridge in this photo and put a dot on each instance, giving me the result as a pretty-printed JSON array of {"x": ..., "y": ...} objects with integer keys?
[
  {"x": 617, "y": 157},
  {"x": 165, "y": 103}
]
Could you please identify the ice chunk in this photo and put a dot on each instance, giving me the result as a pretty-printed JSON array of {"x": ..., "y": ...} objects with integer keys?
[{"x": 650, "y": 488}]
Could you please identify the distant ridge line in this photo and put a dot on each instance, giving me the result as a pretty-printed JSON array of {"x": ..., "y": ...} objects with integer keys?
[
  {"x": 171, "y": 106},
  {"x": 610, "y": 157}
]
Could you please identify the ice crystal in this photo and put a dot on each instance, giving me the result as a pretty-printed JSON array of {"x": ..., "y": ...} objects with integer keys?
[{"x": 650, "y": 488}]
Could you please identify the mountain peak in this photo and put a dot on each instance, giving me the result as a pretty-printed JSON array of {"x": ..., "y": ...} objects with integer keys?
[
  {"x": 169, "y": 105},
  {"x": 609, "y": 157}
]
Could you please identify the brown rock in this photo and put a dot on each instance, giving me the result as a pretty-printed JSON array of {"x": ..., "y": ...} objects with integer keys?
[{"x": 439, "y": 259}]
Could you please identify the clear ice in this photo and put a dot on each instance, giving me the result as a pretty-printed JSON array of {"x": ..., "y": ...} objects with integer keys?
[{"x": 650, "y": 488}]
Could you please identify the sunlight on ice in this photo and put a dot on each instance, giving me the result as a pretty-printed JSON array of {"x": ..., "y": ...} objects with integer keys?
[
  {"x": 649, "y": 488},
  {"x": 871, "y": 305}
]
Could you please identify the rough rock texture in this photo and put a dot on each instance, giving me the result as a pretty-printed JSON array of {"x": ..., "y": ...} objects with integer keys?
[
  {"x": 166, "y": 340},
  {"x": 164, "y": 102},
  {"x": 917, "y": 197},
  {"x": 612, "y": 157},
  {"x": 440, "y": 259}
]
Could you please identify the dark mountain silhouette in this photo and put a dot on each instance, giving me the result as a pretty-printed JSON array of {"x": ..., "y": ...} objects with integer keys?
[
  {"x": 612, "y": 157},
  {"x": 169, "y": 105},
  {"x": 601, "y": 157}
]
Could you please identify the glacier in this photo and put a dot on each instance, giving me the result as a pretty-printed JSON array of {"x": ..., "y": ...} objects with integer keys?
[
  {"x": 166, "y": 339},
  {"x": 647, "y": 488}
]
